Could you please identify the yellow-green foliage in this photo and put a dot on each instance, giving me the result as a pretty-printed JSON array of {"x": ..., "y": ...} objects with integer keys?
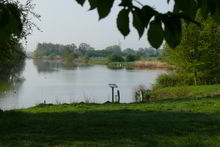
[{"x": 198, "y": 52}]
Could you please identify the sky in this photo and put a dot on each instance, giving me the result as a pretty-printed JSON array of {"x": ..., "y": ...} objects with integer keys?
[{"x": 66, "y": 22}]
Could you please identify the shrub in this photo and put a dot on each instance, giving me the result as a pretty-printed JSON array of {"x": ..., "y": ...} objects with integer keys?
[
  {"x": 115, "y": 58},
  {"x": 143, "y": 94},
  {"x": 132, "y": 57},
  {"x": 86, "y": 60},
  {"x": 174, "y": 79}
]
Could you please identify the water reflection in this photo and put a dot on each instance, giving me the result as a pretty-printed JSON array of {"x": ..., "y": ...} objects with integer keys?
[
  {"x": 11, "y": 80},
  {"x": 48, "y": 66},
  {"x": 57, "y": 82}
]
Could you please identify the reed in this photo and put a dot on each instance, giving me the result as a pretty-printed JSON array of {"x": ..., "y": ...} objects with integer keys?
[{"x": 151, "y": 65}]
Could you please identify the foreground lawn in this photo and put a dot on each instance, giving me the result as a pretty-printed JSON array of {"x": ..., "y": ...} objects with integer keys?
[{"x": 185, "y": 122}]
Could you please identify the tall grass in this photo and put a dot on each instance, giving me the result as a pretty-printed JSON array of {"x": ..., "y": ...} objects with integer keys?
[
  {"x": 174, "y": 79},
  {"x": 151, "y": 65}
]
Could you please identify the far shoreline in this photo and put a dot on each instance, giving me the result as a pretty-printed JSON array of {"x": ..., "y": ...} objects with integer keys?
[{"x": 139, "y": 65}]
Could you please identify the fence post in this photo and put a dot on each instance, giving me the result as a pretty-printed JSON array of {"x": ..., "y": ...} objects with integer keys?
[
  {"x": 113, "y": 95},
  {"x": 118, "y": 96}
]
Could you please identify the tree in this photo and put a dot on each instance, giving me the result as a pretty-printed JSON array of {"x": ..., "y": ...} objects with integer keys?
[
  {"x": 129, "y": 51},
  {"x": 83, "y": 48},
  {"x": 15, "y": 25},
  {"x": 51, "y": 50},
  {"x": 198, "y": 52},
  {"x": 114, "y": 49},
  {"x": 115, "y": 58},
  {"x": 145, "y": 17},
  {"x": 69, "y": 49},
  {"x": 132, "y": 57},
  {"x": 14, "y": 21}
]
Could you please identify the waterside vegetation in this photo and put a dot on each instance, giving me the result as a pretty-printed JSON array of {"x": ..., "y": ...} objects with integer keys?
[{"x": 112, "y": 56}]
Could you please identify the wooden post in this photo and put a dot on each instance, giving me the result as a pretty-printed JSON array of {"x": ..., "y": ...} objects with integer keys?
[
  {"x": 118, "y": 96},
  {"x": 113, "y": 95}
]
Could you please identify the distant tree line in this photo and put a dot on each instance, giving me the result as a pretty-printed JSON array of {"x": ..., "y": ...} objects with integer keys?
[{"x": 50, "y": 50}]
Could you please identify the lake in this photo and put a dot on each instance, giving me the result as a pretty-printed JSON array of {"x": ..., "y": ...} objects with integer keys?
[{"x": 55, "y": 82}]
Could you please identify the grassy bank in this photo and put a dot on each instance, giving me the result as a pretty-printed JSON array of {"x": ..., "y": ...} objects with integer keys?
[
  {"x": 100, "y": 61},
  {"x": 186, "y": 91},
  {"x": 186, "y": 122}
]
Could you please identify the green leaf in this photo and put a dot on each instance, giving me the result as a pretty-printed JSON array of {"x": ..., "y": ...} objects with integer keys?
[
  {"x": 189, "y": 7},
  {"x": 204, "y": 8},
  {"x": 148, "y": 13},
  {"x": 186, "y": 18},
  {"x": 4, "y": 17},
  {"x": 104, "y": 7},
  {"x": 93, "y": 4},
  {"x": 81, "y": 2},
  {"x": 126, "y": 3},
  {"x": 123, "y": 22},
  {"x": 173, "y": 30},
  {"x": 138, "y": 21},
  {"x": 5, "y": 30},
  {"x": 211, "y": 6},
  {"x": 15, "y": 19},
  {"x": 155, "y": 34},
  {"x": 216, "y": 15}
]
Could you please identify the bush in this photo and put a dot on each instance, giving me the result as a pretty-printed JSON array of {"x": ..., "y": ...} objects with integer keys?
[
  {"x": 175, "y": 79},
  {"x": 143, "y": 94},
  {"x": 70, "y": 57},
  {"x": 132, "y": 57},
  {"x": 115, "y": 58}
]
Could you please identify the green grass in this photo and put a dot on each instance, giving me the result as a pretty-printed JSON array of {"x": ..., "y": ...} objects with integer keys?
[
  {"x": 100, "y": 60},
  {"x": 183, "y": 122},
  {"x": 186, "y": 91},
  {"x": 205, "y": 90}
]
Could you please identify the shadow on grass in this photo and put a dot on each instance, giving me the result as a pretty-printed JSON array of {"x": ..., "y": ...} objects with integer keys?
[{"x": 124, "y": 127}]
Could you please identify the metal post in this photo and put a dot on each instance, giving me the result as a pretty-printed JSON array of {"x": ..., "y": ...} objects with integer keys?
[
  {"x": 113, "y": 95},
  {"x": 113, "y": 86},
  {"x": 118, "y": 96}
]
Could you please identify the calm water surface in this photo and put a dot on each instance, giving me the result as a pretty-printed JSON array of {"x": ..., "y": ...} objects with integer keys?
[{"x": 55, "y": 82}]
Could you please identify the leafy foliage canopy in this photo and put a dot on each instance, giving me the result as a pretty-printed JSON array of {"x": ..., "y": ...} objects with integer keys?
[
  {"x": 198, "y": 53},
  {"x": 145, "y": 16}
]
